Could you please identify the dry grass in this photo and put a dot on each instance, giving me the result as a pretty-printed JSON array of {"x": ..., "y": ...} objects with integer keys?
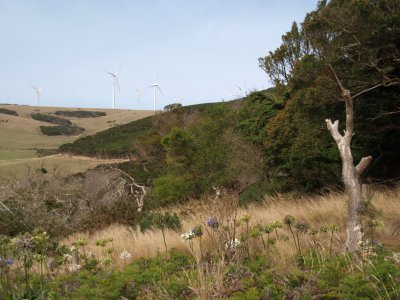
[
  {"x": 329, "y": 209},
  {"x": 55, "y": 164}
]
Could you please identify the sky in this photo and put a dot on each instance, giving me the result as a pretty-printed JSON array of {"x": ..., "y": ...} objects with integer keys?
[{"x": 199, "y": 50}]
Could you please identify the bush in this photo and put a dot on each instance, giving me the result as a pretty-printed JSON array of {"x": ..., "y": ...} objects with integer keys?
[
  {"x": 8, "y": 112},
  {"x": 80, "y": 113},
  {"x": 50, "y": 119},
  {"x": 61, "y": 130},
  {"x": 172, "y": 188}
]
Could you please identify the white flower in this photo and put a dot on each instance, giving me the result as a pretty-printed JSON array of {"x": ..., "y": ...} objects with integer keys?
[
  {"x": 187, "y": 236},
  {"x": 68, "y": 257},
  {"x": 74, "y": 267},
  {"x": 125, "y": 255},
  {"x": 232, "y": 244},
  {"x": 396, "y": 257},
  {"x": 73, "y": 248}
]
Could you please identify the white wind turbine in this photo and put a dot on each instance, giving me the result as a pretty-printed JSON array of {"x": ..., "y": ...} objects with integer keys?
[
  {"x": 115, "y": 81},
  {"x": 155, "y": 86},
  {"x": 38, "y": 91},
  {"x": 138, "y": 94}
]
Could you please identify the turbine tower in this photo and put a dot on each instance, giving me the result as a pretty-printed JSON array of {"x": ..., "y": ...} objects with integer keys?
[
  {"x": 115, "y": 81},
  {"x": 138, "y": 94},
  {"x": 37, "y": 90},
  {"x": 155, "y": 86}
]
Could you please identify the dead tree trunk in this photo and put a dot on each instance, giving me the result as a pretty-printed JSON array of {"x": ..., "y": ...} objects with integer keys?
[{"x": 350, "y": 173}]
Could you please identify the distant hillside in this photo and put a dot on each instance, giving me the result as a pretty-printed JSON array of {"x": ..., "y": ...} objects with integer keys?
[
  {"x": 115, "y": 141},
  {"x": 119, "y": 141},
  {"x": 21, "y": 135}
]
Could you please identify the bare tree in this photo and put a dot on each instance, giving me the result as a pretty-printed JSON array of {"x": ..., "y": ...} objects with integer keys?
[
  {"x": 350, "y": 173},
  {"x": 124, "y": 180}
]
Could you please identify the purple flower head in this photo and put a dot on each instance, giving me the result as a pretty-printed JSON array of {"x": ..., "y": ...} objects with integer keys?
[
  {"x": 213, "y": 223},
  {"x": 9, "y": 262}
]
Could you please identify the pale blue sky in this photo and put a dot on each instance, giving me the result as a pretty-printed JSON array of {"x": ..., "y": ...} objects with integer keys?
[{"x": 200, "y": 49}]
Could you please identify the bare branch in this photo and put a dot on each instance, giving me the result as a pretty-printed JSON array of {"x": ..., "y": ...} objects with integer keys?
[
  {"x": 342, "y": 89},
  {"x": 139, "y": 198},
  {"x": 385, "y": 114},
  {"x": 367, "y": 90},
  {"x": 334, "y": 130},
  {"x": 363, "y": 164}
]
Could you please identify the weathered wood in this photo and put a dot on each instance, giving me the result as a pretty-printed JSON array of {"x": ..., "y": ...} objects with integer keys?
[{"x": 350, "y": 173}]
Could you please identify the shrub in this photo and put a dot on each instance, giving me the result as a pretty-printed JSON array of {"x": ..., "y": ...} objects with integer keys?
[
  {"x": 61, "y": 130},
  {"x": 8, "y": 112},
  {"x": 80, "y": 113},
  {"x": 50, "y": 119}
]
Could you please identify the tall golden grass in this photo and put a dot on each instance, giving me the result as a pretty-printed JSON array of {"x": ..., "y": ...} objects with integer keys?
[{"x": 317, "y": 210}]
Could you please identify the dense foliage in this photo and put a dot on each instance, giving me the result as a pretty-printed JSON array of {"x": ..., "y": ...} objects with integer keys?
[
  {"x": 80, "y": 113},
  {"x": 61, "y": 130},
  {"x": 116, "y": 141}
]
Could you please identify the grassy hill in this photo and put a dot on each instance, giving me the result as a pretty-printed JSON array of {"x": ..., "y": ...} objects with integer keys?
[{"x": 20, "y": 134}]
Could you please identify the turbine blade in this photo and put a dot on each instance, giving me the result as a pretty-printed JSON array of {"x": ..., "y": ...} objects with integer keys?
[
  {"x": 116, "y": 73},
  {"x": 116, "y": 79},
  {"x": 112, "y": 74},
  {"x": 160, "y": 90}
]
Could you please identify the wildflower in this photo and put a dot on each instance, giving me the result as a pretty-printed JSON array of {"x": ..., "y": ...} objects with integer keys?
[
  {"x": 197, "y": 231},
  {"x": 81, "y": 242},
  {"x": 67, "y": 256},
  {"x": 268, "y": 229},
  {"x": 232, "y": 244},
  {"x": 302, "y": 226},
  {"x": 333, "y": 227},
  {"x": 107, "y": 261},
  {"x": 102, "y": 243},
  {"x": 289, "y": 220},
  {"x": 276, "y": 224},
  {"x": 256, "y": 231},
  {"x": 396, "y": 257},
  {"x": 245, "y": 218},
  {"x": 74, "y": 267},
  {"x": 9, "y": 262},
  {"x": 125, "y": 255},
  {"x": 188, "y": 236},
  {"x": 213, "y": 223}
]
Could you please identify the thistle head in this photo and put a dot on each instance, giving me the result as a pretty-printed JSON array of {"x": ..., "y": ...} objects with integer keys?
[
  {"x": 289, "y": 220},
  {"x": 302, "y": 226}
]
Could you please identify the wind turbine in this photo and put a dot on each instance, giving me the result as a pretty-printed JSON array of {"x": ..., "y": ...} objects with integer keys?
[
  {"x": 138, "y": 94},
  {"x": 155, "y": 86},
  {"x": 115, "y": 81},
  {"x": 37, "y": 90}
]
